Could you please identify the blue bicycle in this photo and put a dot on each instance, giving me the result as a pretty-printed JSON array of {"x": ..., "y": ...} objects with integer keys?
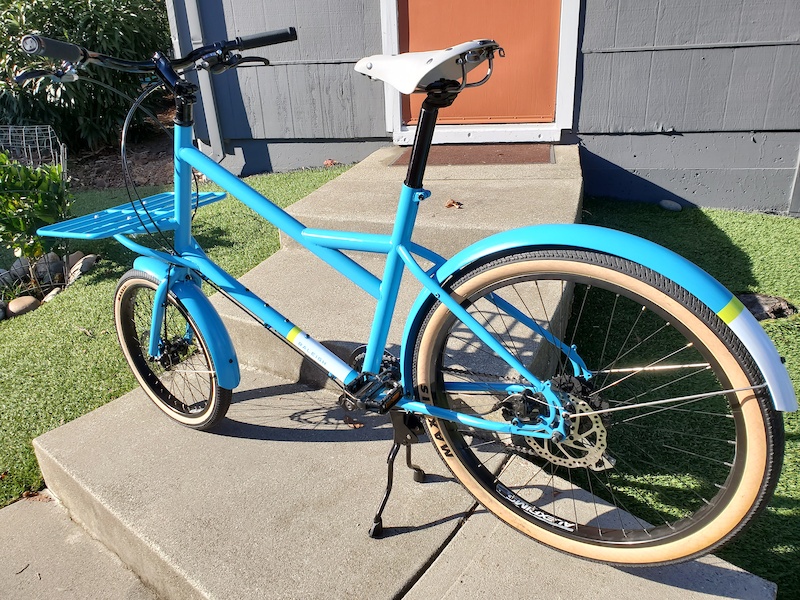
[{"x": 593, "y": 390}]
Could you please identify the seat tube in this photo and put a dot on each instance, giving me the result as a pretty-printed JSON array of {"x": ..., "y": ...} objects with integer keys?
[
  {"x": 407, "y": 207},
  {"x": 392, "y": 277}
]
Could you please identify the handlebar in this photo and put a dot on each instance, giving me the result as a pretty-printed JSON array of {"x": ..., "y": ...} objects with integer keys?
[
  {"x": 72, "y": 53},
  {"x": 42, "y": 46},
  {"x": 269, "y": 38}
]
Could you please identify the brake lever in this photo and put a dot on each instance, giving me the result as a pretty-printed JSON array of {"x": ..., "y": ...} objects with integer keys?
[
  {"x": 66, "y": 74},
  {"x": 230, "y": 62},
  {"x": 252, "y": 59},
  {"x": 36, "y": 74}
]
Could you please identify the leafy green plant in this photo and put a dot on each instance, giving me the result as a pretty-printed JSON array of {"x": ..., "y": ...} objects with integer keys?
[
  {"x": 30, "y": 198},
  {"x": 82, "y": 113}
]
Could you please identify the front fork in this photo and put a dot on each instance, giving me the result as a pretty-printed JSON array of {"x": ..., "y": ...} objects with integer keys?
[
  {"x": 155, "y": 347},
  {"x": 156, "y": 343}
]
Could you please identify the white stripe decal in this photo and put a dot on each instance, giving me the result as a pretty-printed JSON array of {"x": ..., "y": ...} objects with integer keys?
[{"x": 321, "y": 355}]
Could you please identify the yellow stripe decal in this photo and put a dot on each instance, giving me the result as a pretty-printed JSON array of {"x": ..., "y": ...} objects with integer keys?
[
  {"x": 731, "y": 310},
  {"x": 293, "y": 334}
]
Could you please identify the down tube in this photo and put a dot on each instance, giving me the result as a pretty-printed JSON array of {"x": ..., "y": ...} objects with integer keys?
[{"x": 271, "y": 318}]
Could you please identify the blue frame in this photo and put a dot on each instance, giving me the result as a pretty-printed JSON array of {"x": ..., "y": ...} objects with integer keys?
[
  {"x": 327, "y": 245},
  {"x": 180, "y": 274}
]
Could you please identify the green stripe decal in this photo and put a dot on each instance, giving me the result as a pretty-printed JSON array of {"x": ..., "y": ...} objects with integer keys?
[
  {"x": 293, "y": 334},
  {"x": 731, "y": 310}
]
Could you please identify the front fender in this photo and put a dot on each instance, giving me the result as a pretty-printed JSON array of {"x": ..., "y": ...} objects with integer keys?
[
  {"x": 207, "y": 320},
  {"x": 673, "y": 266}
]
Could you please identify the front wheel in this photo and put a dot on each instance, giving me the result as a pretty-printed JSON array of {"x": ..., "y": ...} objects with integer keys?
[
  {"x": 651, "y": 483},
  {"x": 182, "y": 382}
]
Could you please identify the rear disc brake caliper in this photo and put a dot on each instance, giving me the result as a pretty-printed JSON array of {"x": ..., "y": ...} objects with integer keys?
[{"x": 586, "y": 442}]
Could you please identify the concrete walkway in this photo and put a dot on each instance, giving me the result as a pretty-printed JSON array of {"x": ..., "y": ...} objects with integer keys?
[{"x": 277, "y": 501}]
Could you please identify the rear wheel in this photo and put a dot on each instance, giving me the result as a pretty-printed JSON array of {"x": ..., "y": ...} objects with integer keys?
[
  {"x": 648, "y": 484},
  {"x": 182, "y": 382}
]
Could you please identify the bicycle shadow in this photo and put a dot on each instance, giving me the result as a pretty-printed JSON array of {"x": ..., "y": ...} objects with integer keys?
[
  {"x": 292, "y": 412},
  {"x": 297, "y": 413}
]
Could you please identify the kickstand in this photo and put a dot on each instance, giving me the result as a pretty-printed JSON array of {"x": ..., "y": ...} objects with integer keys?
[{"x": 407, "y": 428}]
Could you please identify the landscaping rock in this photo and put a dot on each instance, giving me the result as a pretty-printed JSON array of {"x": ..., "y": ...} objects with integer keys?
[
  {"x": 82, "y": 266},
  {"x": 670, "y": 205},
  {"x": 20, "y": 306},
  {"x": 3, "y": 306},
  {"x": 52, "y": 294},
  {"x": 20, "y": 270},
  {"x": 73, "y": 258},
  {"x": 88, "y": 262},
  {"x": 50, "y": 269},
  {"x": 6, "y": 279},
  {"x": 767, "y": 307}
]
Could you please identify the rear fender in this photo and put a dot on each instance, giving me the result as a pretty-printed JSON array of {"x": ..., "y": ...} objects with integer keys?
[
  {"x": 207, "y": 320},
  {"x": 586, "y": 237}
]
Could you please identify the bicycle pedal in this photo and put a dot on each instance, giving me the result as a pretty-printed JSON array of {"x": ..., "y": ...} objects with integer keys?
[
  {"x": 347, "y": 403},
  {"x": 372, "y": 393},
  {"x": 390, "y": 395}
]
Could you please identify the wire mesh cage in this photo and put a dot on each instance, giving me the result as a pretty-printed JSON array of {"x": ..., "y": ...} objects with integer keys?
[{"x": 33, "y": 145}]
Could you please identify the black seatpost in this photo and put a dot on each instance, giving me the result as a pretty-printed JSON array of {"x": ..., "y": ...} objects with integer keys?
[{"x": 440, "y": 95}]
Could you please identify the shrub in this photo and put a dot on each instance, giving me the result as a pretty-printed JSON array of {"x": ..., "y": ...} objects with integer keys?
[
  {"x": 30, "y": 197},
  {"x": 82, "y": 113}
]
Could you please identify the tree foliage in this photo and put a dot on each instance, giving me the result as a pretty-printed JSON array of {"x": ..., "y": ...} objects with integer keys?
[
  {"x": 30, "y": 197},
  {"x": 82, "y": 113}
]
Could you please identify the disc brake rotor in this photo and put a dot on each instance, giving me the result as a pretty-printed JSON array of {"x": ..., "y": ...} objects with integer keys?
[{"x": 584, "y": 447}]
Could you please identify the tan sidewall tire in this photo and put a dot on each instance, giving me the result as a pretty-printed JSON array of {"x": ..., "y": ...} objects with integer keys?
[
  {"x": 220, "y": 397},
  {"x": 749, "y": 486}
]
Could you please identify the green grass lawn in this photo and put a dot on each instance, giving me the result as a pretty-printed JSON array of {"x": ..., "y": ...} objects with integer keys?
[
  {"x": 747, "y": 253},
  {"x": 63, "y": 360}
]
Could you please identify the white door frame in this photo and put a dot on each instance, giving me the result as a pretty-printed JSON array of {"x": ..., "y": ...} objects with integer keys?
[{"x": 496, "y": 132}]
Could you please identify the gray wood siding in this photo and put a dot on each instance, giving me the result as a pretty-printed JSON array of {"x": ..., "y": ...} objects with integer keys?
[
  {"x": 327, "y": 29},
  {"x": 301, "y": 102},
  {"x": 690, "y": 66},
  {"x": 624, "y": 24},
  {"x": 312, "y": 91}
]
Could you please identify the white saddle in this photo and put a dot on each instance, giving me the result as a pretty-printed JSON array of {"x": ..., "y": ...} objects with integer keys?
[{"x": 413, "y": 71}]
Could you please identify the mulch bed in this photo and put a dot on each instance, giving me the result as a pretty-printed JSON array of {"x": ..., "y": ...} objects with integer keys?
[{"x": 150, "y": 163}]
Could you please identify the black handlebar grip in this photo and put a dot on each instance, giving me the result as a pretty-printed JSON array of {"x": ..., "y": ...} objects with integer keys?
[
  {"x": 42, "y": 46},
  {"x": 266, "y": 39}
]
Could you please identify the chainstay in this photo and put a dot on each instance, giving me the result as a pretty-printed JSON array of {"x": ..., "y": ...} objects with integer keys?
[{"x": 486, "y": 436}]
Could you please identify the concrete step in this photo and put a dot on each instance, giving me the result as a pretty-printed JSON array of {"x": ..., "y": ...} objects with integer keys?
[
  {"x": 277, "y": 503},
  {"x": 46, "y": 555},
  {"x": 318, "y": 299},
  {"x": 278, "y": 500},
  {"x": 492, "y": 198},
  {"x": 338, "y": 313}
]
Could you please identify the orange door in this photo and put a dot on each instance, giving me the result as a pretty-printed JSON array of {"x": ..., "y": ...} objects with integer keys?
[{"x": 523, "y": 86}]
